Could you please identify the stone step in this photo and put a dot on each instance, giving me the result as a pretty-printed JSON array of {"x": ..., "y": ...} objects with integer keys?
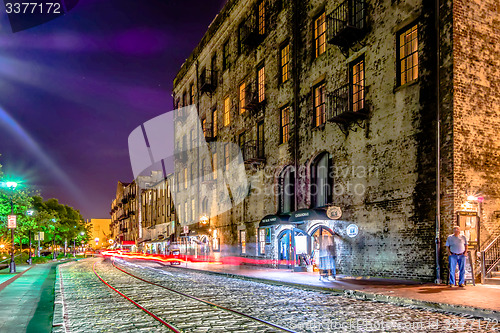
[
  {"x": 495, "y": 274},
  {"x": 494, "y": 280}
]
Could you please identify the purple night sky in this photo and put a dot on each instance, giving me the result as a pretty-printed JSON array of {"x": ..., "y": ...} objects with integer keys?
[{"x": 74, "y": 88}]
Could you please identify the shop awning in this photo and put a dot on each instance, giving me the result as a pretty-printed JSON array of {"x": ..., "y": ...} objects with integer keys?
[
  {"x": 302, "y": 215},
  {"x": 270, "y": 220}
]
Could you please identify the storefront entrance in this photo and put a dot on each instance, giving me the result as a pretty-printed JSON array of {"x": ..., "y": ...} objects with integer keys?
[{"x": 321, "y": 238}]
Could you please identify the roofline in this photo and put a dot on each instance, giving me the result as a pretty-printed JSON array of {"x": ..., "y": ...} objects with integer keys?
[{"x": 212, "y": 28}]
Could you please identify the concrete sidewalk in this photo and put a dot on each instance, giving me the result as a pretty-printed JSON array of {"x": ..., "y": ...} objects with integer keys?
[
  {"x": 27, "y": 300},
  {"x": 480, "y": 300}
]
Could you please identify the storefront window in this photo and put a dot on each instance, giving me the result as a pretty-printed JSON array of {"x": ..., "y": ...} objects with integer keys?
[{"x": 262, "y": 241}]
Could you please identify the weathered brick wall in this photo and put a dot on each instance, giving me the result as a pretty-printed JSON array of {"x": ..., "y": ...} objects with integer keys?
[{"x": 476, "y": 116}]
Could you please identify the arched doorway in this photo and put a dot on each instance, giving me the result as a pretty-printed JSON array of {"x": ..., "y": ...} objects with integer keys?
[
  {"x": 321, "y": 238},
  {"x": 287, "y": 252}
]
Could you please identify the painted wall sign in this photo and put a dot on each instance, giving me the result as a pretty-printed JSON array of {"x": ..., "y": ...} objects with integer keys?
[
  {"x": 352, "y": 230},
  {"x": 334, "y": 212}
]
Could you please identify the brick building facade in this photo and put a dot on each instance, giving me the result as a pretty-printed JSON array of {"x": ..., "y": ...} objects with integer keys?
[{"x": 334, "y": 107}]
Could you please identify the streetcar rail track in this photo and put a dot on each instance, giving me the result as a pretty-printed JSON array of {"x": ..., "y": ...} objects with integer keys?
[
  {"x": 208, "y": 302},
  {"x": 165, "y": 323}
]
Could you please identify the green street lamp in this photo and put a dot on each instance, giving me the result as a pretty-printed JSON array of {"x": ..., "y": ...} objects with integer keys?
[{"x": 11, "y": 186}]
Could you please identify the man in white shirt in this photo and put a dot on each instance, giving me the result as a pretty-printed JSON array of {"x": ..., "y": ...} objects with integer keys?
[{"x": 457, "y": 249}]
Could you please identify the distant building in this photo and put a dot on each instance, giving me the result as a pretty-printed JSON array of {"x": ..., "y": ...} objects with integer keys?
[
  {"x": 100, "y": 233},
  {"x": 335, "y": 106}
]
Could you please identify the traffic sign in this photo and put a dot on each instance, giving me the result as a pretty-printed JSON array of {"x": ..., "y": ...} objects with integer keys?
[
  {"x": 12, "y": 221},
  {"x": 40, "y": 236}
]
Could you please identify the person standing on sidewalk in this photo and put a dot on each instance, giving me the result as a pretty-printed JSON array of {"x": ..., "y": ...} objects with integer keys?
[
  {"x": 457, "y": 249},
  {"x": 327, "y": 258}
]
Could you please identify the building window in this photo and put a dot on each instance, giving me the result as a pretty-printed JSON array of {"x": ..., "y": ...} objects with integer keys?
[
  {"x": 242, "y": 97},
  {"x": 213, "y": 64},
  {"x": 319, "y": 104},
  {"x": 285, "y": 63},
  {"x": 214, "y": 164},
  {"x": 261, "y": 83},
  {"x": 241, "y": 28},
  {"x": 184, "y": 99},
  {"x": 285, "y": 124},
  {"x": 261, "y": 17},
  {"x": 227, "y": 107},
  {"x": 260, "y": 139},
  {"x": 243, "y": 241},
  {"x": 191, "y": 94},
  {"x": 204, "y": 170},
  {"x": 408, "y": 55},
  {"x": 204, "y": 126},
  {"x": 185, "y": 178},
  {"x": 287, "y": 190},
  {"x": 320, "y": 35},
  {"x": 193, "y": 210},
  {"x": 242, "y": 140},
  {"x": 226, "y": 157},
  {"x": 186, "y": 218},
  {"x": 262, "y": 241},
  {"x": 214, "y": 123},
  {"x": 321, "y": 181},
  {"x": 358, "y": 85},
  {"x": 192, "y": 176},
  {"x": 225, "y": 56}
]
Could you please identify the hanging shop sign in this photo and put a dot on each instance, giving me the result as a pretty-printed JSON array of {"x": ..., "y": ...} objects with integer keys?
[
  {"x": 334, "y": 212},
  {"x": 12, "y": 221},
  {"x": 352, "y": 230},
  {"x": 469, "y": 225},
  {"x": 186, "y": 229}
]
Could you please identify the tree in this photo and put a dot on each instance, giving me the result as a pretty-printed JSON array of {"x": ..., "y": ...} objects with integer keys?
[{"x": 59, "y": 222}]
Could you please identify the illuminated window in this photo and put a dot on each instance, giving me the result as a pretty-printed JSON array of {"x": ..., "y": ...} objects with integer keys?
[
  {"x": 319, "y": 104},
  {"x": 408, "y": 55},
  {"x": 193, "y": 210},
  {"x": 186, "y": 218},
  {"x": 214, "y": 123},
  {"x": 285, "y": 123},
  {"x": 226, "y": 157},
  {"x": 225, "y": 56},
  {"x": 262, "y": 17},
  {"x": 242, "y": 96},
  {"x": 204, "y": 126},
  {"x": 285, "y": 63},
  {"x": 262, "y": 241},
  {"x": 185, "y": 177},
  {"x": 261, "y": 84},
  {"x": 227, "y": 107},
  {"x": 320, "y": 35},
  {"x": 214, "y": 164},
  {"x": 243, "y": 241},
  {"x": 358, "y": 85}
]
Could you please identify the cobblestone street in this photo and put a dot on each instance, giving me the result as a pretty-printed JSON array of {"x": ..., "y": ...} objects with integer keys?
[{"x": 90, "y": 306}]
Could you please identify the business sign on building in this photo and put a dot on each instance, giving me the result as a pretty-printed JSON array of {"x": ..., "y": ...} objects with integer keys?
[
  {"x": 334, "y": 212},
  {"x": 352, "y": 230},
  {"x": 12, "y": 221},
  {"x": 186, "y": 229}
]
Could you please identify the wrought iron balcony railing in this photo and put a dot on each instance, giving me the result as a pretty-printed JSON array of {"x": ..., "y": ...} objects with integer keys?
[
  {"x": 208, "y": 132},
  {"x": 208, "y": 81},
  {"x": 347, "y": 103},
  {"x": 347, "y": 23},
  {"x": 253, "y": 152}
]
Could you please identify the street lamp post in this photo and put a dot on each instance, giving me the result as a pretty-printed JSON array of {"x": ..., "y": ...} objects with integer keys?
[{"x": 30, "y": 213}]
